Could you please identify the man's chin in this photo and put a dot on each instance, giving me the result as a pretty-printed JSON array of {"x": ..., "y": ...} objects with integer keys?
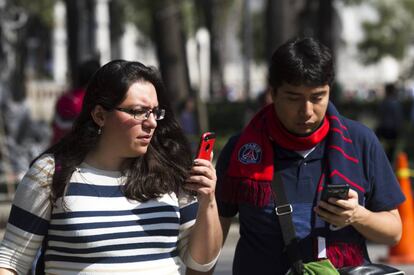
[{"x": 303, "y": 132}]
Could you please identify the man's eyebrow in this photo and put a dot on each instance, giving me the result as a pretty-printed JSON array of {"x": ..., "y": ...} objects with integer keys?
[
  {"x": 289, "y": 92},
  {"x": 319, "y": 93}
]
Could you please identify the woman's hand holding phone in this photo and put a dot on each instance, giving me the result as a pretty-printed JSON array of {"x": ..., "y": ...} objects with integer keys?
[{"x": 202, "y": 177}]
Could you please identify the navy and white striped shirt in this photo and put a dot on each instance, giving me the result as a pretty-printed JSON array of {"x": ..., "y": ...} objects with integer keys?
[{"x": 97, "y": 229}]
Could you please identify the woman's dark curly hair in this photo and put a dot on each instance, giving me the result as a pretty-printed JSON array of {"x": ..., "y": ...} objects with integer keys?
[{"x": 166, "y": 163}]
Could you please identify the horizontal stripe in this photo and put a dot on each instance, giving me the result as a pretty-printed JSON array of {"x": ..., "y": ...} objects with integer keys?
[
  {"x": 188, "y": 212},
  {"x": 114, "y": 247},
  {"x": 109, "y": 260},
  {"x": 100, "y": 231},
  {"x": 115, "y": 218},
  {"x": 92, "y": 190},
  {"x": 142, "y": 239},
  {"x": 161, "y": 266},
  {"x": 135, "y": 211},
  {"x": 122, "y": 235},
  {"x": 27, "y": 221},
  {"x": 94, "y": 225}
]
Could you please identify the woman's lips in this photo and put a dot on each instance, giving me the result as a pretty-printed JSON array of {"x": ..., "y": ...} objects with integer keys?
[{"x": 146, "y": 138}]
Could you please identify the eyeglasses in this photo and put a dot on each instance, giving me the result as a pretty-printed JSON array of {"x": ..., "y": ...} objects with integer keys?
[{"x": 144, "y": 114}]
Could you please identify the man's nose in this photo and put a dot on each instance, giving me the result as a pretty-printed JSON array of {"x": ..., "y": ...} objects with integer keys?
[{"x": 306, "y": 109}]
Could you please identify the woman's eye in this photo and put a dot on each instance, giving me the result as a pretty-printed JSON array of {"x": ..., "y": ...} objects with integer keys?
[{"x": 138, "y": 112}]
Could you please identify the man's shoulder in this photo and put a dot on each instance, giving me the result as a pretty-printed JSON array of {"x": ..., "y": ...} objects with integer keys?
[
  {"x": 357, "y": 128},
  {"x": 360, "y": 134},
  {"x": 231, "y": 143}
]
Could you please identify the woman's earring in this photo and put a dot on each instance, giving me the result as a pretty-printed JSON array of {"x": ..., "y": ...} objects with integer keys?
[{"x": 99, "y": 131}]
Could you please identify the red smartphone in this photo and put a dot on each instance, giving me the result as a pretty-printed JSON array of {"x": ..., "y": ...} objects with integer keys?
[{"x": 206, "y": 145}]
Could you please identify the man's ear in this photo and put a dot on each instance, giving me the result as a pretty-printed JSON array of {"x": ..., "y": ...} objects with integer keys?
[{"x": 99, "y": 115}]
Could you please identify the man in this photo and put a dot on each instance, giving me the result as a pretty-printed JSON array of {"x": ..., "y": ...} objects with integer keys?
[
  {"x": 302, "y": 137},
  {"x": 390, "y": 120}
]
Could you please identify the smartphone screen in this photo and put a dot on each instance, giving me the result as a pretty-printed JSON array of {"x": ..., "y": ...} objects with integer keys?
[
  {"x": 339, "y": 191},
  {"x": 206, "y": 145}
]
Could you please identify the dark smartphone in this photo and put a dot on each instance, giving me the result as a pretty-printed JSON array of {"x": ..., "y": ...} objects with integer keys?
[
  {"x": 206, "y": 145},
  {"x": 339, "y": 191}
]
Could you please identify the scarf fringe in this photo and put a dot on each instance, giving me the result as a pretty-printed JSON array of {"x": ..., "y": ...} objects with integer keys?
[
  {"x": 239, "y": 190},
  {"x": 345, "y": 254}
]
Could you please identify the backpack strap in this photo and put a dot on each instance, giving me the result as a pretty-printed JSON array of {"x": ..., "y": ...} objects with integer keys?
[{"x": 284, "y": 213}]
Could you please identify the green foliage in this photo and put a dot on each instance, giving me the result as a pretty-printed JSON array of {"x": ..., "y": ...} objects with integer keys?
[
  {"x": 226, "y": 118},
  {"x": 43, "y": 9},
  {"x": 259, "y": 34},
  {"x": 353, "y": 2},
  {"x": 189, "y": 17},
  {"x": 391, "y": 34},
  {"x": 139, "y": 13}
]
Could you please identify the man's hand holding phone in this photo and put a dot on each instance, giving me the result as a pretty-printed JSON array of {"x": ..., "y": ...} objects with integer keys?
[
  {"x": 338, "y": 191},
  {"x": 338, "y": 206}
]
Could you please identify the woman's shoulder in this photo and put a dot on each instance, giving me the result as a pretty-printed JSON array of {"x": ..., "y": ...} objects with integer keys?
[{"x": 42, "y": 170}]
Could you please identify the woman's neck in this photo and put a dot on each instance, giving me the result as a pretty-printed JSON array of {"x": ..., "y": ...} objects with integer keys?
[{"x": 101, "y": 160}]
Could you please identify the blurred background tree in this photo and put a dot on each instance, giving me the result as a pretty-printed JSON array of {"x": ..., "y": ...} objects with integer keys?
[
  {"x": 215, "y": 51},
  {"x": 391, "y": 33}
]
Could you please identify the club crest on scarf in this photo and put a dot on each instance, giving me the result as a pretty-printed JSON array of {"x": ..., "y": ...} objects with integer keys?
[{"x": 250, "y": 153}]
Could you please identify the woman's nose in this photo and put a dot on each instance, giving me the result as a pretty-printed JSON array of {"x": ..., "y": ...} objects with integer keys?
[{"x": 150, "y": 122}]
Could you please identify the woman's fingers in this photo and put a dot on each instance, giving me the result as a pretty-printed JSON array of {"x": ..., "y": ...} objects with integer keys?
[{"x": 202, "y": 177}]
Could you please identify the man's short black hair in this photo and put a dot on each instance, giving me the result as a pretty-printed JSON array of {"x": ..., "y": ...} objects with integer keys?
[{"x": 301, "y": 61}]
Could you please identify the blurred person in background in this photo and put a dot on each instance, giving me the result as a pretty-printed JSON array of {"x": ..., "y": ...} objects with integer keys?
[
  {"x": 114, "y": 195},
  {"x": 390, "y": 120},
  {"x": 302, "y": 137},
  {"x": 188, "y": 122},
  {"x": 69, "y": 104}
]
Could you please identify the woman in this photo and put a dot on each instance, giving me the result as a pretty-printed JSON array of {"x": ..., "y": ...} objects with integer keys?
[{"x": 113, "y": 195}]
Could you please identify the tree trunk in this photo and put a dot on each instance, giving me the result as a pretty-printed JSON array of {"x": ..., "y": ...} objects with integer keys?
[
  {"x": 280, "y": 24},
  {"x": 170, "y": 46},
  {"x": 116, "y": 28},
  {"x": 13, "y": 49},
  {"x": 211, "y": 10},
  {"x": 325, "y": 23},
  {"x": 247, "y": 48},
  {"x": 80, "y": 24}
]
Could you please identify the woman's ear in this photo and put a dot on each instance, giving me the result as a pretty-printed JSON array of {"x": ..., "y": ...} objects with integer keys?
[{"x": 99, "y": 115}]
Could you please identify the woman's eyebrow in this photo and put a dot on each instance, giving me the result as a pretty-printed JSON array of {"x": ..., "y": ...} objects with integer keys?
[{"x": 138, "y": 106}]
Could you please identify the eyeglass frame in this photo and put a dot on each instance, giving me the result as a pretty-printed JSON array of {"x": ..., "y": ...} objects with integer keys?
[{"x": 145, "y": 111}]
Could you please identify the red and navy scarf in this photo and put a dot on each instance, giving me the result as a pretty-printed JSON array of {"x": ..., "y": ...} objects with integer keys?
[
  {"x": 251, "y": 168},
  {"x": 250, "y": 173}
]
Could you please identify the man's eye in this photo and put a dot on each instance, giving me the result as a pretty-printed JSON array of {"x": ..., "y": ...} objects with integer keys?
[
  {"x": 316, "y": 99},
  {"x": 293, "y": 98}
]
